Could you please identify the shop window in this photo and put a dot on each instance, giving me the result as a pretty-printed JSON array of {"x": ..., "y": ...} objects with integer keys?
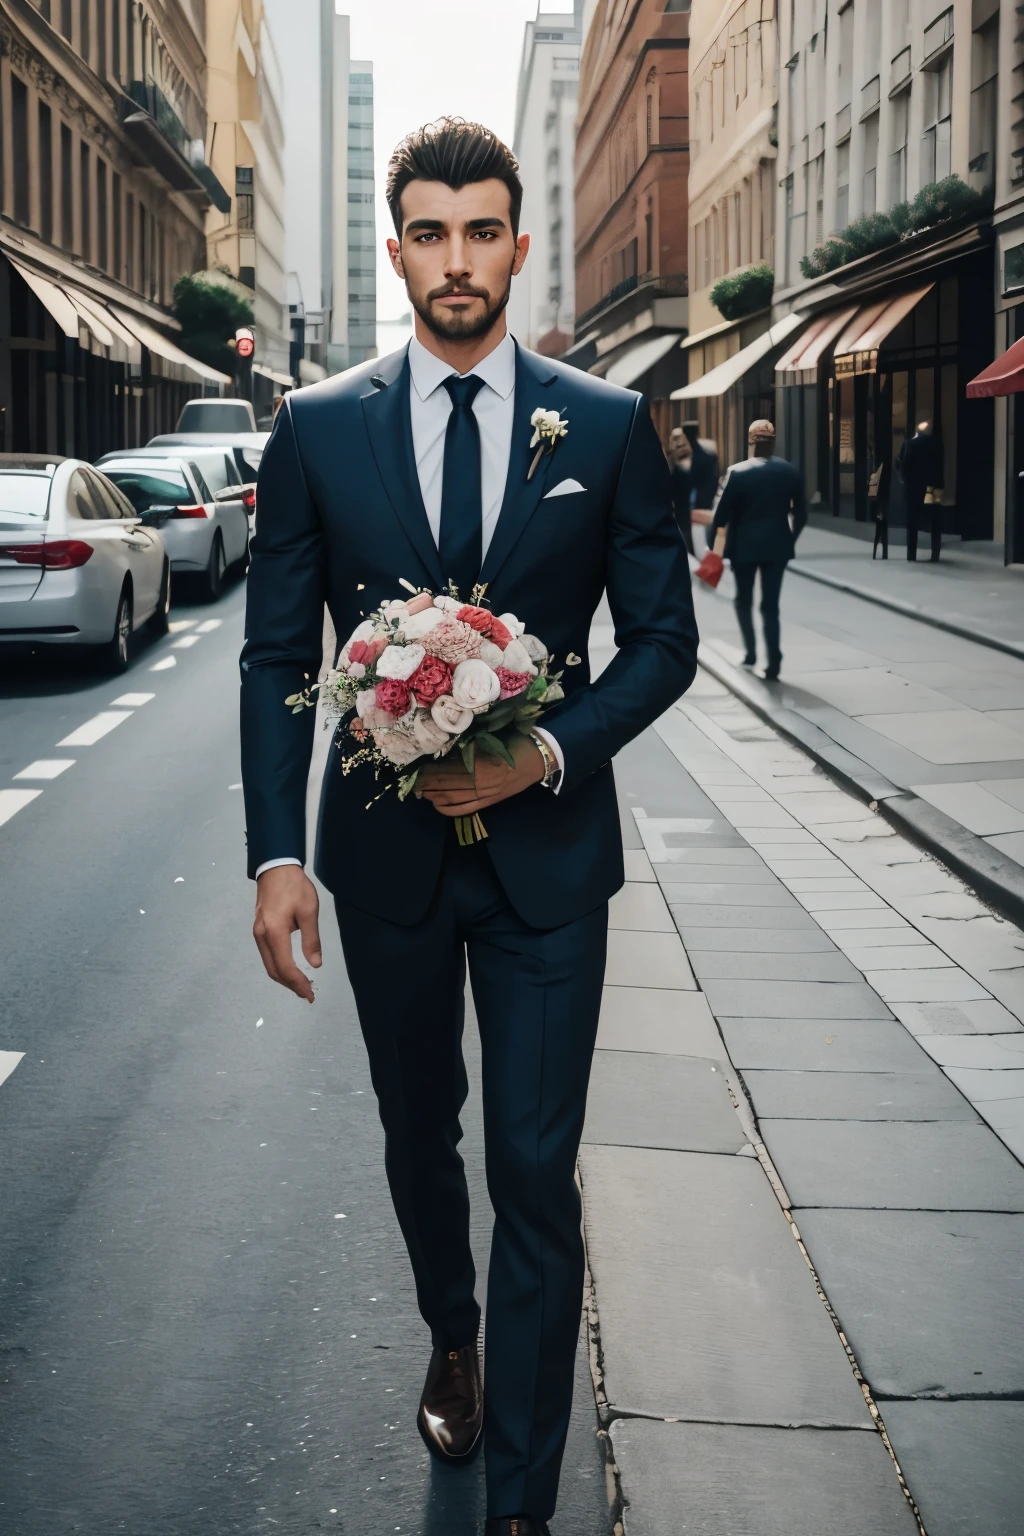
[
  {"x": 1013, "y": 268},
  {"x": 935, "y": 142},
  {"x": 926, "y": 322},
  {"x": 947, "y": 312},
  {"x": 950, "y": 399}
]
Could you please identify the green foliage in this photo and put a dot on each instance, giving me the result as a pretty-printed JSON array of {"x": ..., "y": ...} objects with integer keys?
[
  {"x": 743, "y": 293},
  {"x": 941, "y": 202},
  {"x": 209, "y": 316}
]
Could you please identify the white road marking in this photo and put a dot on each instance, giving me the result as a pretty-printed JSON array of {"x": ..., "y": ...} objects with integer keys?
[
  {"x": 8, "y": 1061},
  {"x": 95, "y": 728},
  {"x": 208, "y": 624},
  {"x": 14, "y": 800},
  {"x": 46, "y": 768},
  {"x": 132, "y": 700},
  {"x": 185, "y": 641},
  {"x": 177, "y": 625}
]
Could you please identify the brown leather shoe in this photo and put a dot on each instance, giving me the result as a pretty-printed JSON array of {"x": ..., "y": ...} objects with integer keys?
[
  {"x": 516, "y": 1525},
  {"x": 451, "y": 1416}
]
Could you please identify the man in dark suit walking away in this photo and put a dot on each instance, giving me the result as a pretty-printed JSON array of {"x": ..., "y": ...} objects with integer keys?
[
  {"x": 761, "y": 507},
  {"x": 422, "y": 467},
  {"x": 920, "y": 467}
]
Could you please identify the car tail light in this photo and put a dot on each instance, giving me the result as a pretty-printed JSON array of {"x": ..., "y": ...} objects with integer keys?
[
  {"x": 54, "y": 555},
  {"x": 249, "y": 498},
  {"x": 189, "y": 512}
]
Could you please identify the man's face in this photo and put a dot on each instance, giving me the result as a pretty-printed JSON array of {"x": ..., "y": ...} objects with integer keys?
[
  {"x": 458, "y": 255},
  {"x": 678, "y": 444}
]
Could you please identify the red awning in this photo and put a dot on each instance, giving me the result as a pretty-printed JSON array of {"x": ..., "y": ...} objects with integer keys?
[{"x": 1003, "y": 377}]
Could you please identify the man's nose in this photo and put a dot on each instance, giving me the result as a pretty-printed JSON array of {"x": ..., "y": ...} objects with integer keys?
[{"x": 460, "y": 262}]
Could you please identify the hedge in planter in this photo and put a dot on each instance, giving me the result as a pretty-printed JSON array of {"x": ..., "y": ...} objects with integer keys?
[
  {"x": 743, "y": 293},
  {"x": 940, "y": 202}
]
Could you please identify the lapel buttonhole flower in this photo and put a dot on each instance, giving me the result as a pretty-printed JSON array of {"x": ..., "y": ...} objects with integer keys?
[{"x": 548, "y": 427}]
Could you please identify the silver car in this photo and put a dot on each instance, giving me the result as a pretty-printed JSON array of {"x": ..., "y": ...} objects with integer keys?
[
  {"x": 78, "y": 566},
  {"x": 206, "y": 508},
  {"x": 245, "y": 447}
]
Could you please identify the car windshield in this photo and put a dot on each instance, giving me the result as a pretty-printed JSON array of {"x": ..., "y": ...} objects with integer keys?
[
  {"x": 24, "y": 497},
  {"x": 149, "y": 486}
]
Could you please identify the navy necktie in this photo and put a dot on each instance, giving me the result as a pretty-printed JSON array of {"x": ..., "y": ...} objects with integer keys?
[{"x": 461, "y": 537}]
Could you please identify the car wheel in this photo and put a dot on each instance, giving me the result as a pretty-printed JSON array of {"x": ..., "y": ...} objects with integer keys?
[
  {"x": 160, "y": 622},
  {"x": 215, "y": 569},
  {"x": 116, "y": 652}
]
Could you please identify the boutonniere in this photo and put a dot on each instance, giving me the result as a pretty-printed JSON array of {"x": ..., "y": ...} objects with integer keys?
[{"x": 548, "y": 427}]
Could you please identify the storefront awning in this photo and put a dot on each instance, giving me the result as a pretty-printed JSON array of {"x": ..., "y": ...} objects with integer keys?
[
  {"x": 1003, "y": 377},
  {"x": 284, "y": 379},
  {"x": 721, "y": 379},
  {"x": 857, "y": 348},
  {"x": 53, "y": 299},
  {"x": 150, "y": 337},
  {"x": 639, "y": 357},
  {"x": 799, "y": 365}
]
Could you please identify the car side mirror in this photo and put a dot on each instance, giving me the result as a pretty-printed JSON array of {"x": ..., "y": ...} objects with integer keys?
[{"x": 156, "y": 516}]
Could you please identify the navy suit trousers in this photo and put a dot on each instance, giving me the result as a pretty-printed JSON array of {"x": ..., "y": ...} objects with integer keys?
[{"x": 537, "y": 994}]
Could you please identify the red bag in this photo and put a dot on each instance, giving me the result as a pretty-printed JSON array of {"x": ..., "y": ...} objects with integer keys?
[{"x": 710, "y": 569}]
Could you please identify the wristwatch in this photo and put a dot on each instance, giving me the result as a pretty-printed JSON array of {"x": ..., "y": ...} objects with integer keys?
[{"x": 551, "y": 768}]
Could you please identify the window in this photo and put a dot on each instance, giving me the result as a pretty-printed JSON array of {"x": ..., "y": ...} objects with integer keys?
[
  {"x": 649, "y": 241},
  {"x": 818, "y": 233},
  {"x": 19, "y": 147},
  {"x": 898, "y": 158},
  {"x": 899, "y": 22},
  {"x": 935, "y": 141},
  {"x": 650, "y": 121},
  {"x": 939, "y": 33},
  {"x": 84, "y": 34},
  {"x": 984, "y": 68},
  {"x": 101, "y": 214},
  {"x": 83, "y": 172},
  {"x": 245, "y": 210},
  {"x": 789, "y": 228},
  {"x": 65, "y": 18},
  {"x": 843, "y": 184},
  {"x": 101, "y": 38},
  {"x": 152, "y": 485},
  {"x": 870, "y": 196},
  {"x": 129, "y": 240},
  {"x": 67, "y": 207},
  {"x": 115, "y": 198},
  {"x": 45, "y": 173},
  {"x": 115, "y": 40},
  {"x": 143, "y": 265},
  {"x": 846, "y": 56}
]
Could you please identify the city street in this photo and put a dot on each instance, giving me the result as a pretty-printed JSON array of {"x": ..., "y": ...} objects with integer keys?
[{"x": 803, "y": 1119}]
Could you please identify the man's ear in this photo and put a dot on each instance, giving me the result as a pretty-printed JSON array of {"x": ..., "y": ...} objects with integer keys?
[
  {"x": 522, "y": 249},
  {"x": 395, "y": 252}
]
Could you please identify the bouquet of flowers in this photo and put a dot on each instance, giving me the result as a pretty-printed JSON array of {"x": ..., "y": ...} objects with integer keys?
[{"x": 425, "y": 676}]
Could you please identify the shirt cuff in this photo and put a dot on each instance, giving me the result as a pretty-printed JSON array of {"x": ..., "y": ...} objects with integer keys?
[
  {"x": 559, "y": 759},
  {"x": 276, "y": 864}
]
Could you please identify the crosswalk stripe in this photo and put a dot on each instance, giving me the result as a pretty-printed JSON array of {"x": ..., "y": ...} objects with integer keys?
[
  {"x": 185, "y": 641},
  {"x": 14, "y": 800},
  {"x": 95, "y": 728},
  {"x": 132, "y": 700},
  {"x": 46, "y": 768},
  {"x": 8, "y": 1061},
  {"x": 162, "y": 666}
]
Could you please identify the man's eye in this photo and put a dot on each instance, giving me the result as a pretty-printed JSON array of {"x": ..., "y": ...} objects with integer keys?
[
  {"x": 484, "y": 234},
  {"x": 422, "y": 239}
]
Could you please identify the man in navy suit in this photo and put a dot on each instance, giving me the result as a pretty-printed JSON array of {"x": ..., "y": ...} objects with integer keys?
[{"x": 418, "y": 467}]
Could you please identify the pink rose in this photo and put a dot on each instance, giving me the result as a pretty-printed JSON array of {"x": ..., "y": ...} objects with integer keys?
[
  {"x": 485, "y": 623},
  {"x": 373, "y": 717},
  {"x": 499, "y": 633},
  {"x": 512, "y": 682},
  {"x": 420, "y": 602},
  {"x": 392, "y": 695},
  {"x": 432, "y": 678},
  {"x": 453, "y": 641},
  {"x": 365, "y": 652}
]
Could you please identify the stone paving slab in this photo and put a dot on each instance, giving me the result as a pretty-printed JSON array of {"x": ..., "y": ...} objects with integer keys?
[
  {"x": 999, "y": 1097},
  {"x": 647, "y": 960},
  {"x": 822, "y": 1045},
  {"x": 786, "y": 914},
  {"x": 737, "y": 1480},
  {"x": 985, "y": 1017},
  {"x": 707, "y": 1307},
  {"x": 751, "y": 941},
  {"x": 963, "y": 1464},
  {"x": 670, "y": 1021},
  {"x": 640, "y": 906},
  {"x": 929, "y": 1300},
  {"x": 713, "y": 965},
  {"x": 717, "y": 892},
  {"x": 925, "y": 1094},
  {"x": 982, "y": 1052},
  {"x": 794, "y": 1000},
  {"x": 678, "y": 1102},
  {"x": 895, "y": 1165},
  {"x": 688, "y": 872}
]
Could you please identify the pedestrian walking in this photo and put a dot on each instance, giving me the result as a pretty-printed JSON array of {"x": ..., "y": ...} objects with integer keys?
[
  {"x": 680, "y": 464},
  {"x": 423, "y": 467},
  {"x": 704, "y": 468},
  {"x": 761, "y": 510},
  {"x": 920, "y": 466}
]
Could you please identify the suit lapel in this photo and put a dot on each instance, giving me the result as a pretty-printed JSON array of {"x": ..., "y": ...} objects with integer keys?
[
  {"x": 389, "y": 427},
  {"x": 522, "y": 496}
]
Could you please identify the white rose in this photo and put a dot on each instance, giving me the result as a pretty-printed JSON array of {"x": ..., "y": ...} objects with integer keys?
[
  {"x": 535, "y": 649},
  {"x": 516, "y": 657},
  {"x": 447, "y": 604},
  {"x": 514, "y": 626},
  {"x": 399, "y": 661},
  {"x": 451, "y": 717},
  {"x": 474, "y": 685},
  {"x": 355, "y": 670},
  {"x": 394, "y": 608},
  {"x": 491, "y": 653},
  {"x": 417, "y": 624},
  {"x": 368, "y": 712},
  {"x": 427, "y": 734},
  {"x": 398, "y": 746}
]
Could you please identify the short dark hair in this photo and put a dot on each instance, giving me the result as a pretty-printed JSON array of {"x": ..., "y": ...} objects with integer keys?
[{"x": 457, "y": 153}]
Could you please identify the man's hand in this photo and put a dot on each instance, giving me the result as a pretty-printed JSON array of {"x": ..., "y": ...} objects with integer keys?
[
  {"x": 286, "y": 899},
  {"x": 454, "y": 792}
]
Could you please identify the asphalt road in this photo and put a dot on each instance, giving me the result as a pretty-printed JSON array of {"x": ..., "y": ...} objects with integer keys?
[{"x": 207, "y": 1322}]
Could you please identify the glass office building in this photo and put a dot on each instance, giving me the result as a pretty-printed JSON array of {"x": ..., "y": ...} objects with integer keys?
[{"x": 362, "y": 252}]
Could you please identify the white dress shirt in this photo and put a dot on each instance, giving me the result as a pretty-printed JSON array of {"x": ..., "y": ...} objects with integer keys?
[{"x": 430, "y": 406}]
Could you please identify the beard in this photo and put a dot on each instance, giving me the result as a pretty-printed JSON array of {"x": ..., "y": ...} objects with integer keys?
[{"x": 456, "y": 325}]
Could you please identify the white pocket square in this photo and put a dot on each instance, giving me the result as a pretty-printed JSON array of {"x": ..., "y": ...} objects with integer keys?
[{"x": 564, "y": 488}]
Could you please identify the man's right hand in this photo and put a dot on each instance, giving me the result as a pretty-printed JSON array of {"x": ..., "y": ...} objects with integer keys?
[{"x": 286, "y": 899}]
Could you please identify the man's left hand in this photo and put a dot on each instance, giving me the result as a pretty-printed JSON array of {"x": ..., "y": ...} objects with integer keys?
[{"x": 454, "y": 792}]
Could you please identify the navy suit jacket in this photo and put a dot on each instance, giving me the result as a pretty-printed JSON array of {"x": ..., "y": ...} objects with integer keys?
[
  {"x": 754, "y": 506},
  {"x": 340, "y": 519}
]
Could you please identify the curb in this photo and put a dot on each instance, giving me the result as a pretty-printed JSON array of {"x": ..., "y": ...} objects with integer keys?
[
  {"x": 909, "y": 610},
  {"x": 996, "y": 878}
]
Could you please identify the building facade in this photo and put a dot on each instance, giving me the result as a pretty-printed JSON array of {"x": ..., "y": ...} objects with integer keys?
[
  {"x": 541, "y": 310},
  {"x": 104, "y": 187},
  {"x": 632, "y": 164},
  {"x": 880, "y": 104},
  {"x": 245, "y": 147},
  {"x": 361, "y": 243},
  {"x": 733, "y": 137}
]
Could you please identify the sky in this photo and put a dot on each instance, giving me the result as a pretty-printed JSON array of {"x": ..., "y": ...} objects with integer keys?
[{"x": 432, "y": 57}]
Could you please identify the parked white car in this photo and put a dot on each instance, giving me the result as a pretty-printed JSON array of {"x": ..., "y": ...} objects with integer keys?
[
  {"x": 206, "y": 508},
  {"x": 218, "y": 416},
  {"x": 78, "y": 565}
]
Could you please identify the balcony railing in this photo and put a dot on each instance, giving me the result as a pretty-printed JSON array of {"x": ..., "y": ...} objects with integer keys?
[
  {"x": 178, "y": 158},
  {"x": 673, "y": 286}
]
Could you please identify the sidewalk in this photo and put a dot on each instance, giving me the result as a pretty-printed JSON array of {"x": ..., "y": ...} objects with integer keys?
[
  {"x": 927, "y": 723},
  {"x": 805, "y": 1240}
]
